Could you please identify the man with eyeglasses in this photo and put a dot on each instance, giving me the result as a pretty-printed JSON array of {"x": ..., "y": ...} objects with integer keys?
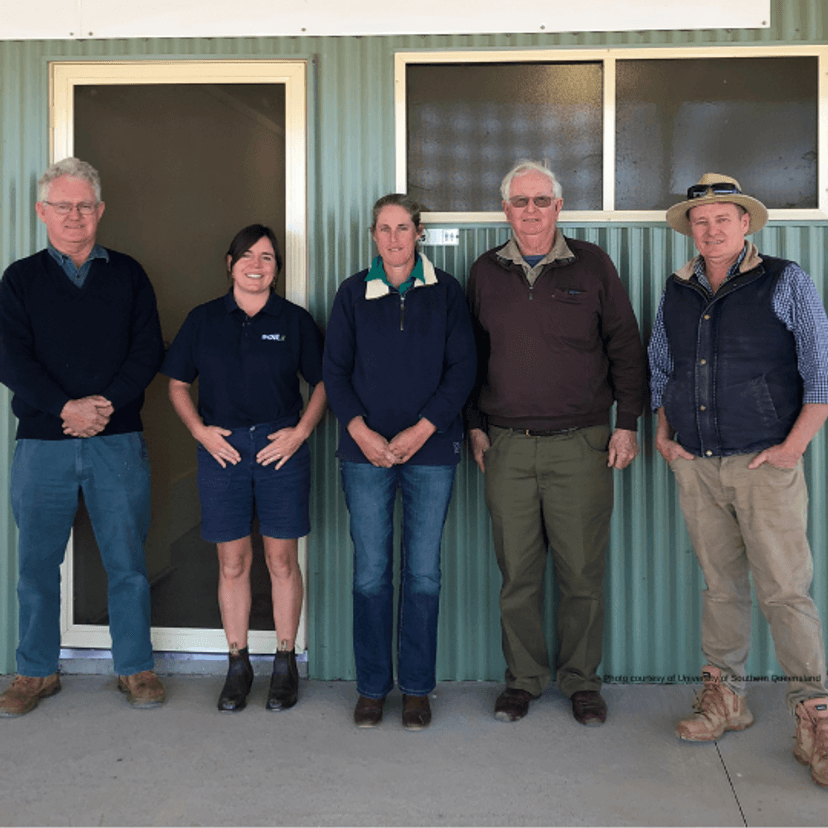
[
  {"x": 739, "y": 380},
  {"x": 79, "y": 342},
  {"x": 558, "y": 346}
]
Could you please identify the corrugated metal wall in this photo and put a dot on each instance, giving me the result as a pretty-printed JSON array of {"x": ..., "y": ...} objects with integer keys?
[{"x": 653, "y": 585}]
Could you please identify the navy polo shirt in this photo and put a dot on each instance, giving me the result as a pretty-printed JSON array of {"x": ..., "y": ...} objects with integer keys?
[{"x": 247, "y": 366}]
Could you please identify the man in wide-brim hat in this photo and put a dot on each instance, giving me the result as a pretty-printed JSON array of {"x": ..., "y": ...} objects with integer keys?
[{"x": 739, "y": 360}]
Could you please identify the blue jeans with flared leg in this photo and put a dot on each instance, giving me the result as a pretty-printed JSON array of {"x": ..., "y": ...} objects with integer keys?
[
  {"x": 46, "y": 476},
  {"x": 370, "y": 493}
]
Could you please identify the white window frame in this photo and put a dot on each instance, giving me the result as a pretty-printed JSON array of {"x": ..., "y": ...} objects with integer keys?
[{"x": 608, "y": 58}]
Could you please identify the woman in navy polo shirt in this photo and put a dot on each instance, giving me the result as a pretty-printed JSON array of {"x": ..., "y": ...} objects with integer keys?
[
  {"x": 247, "y": 348},
  {"x": 399, "y": 363}
]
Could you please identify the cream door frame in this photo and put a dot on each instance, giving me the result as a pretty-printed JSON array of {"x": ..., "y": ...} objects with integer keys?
[{"x": 63, "y": 78}]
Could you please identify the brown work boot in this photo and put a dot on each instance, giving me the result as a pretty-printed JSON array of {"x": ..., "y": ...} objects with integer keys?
[
  {"x": 142, "y": 689},
  {"x": 25, "y": 693},
  {"x": 717, "y": 709},
  {"x": 812, "y": 738}
]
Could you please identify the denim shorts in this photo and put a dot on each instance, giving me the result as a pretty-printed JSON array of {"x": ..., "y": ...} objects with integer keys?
[{"x": 232, "y": 496}]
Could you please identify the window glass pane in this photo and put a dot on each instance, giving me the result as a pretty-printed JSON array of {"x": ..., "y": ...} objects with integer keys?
[
  {"x": 751, "y": 118},
  {"x": 468, "y": 124}
]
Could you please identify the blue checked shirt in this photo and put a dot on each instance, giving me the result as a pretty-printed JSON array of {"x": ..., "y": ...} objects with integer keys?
[{"x": 798, "y": 307}]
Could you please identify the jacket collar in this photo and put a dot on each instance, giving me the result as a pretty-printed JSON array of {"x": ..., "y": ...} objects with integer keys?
[
  {"x": 750, "y": 260},
  {"x": 376, "y": 287}
]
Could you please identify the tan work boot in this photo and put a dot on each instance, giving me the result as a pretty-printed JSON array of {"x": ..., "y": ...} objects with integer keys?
[
  {"x": 718, "y": 709},
  {"x": 25, "y": 693},
  {"x": 812, "y": 738},
  {"x": 142, "y": 689}
]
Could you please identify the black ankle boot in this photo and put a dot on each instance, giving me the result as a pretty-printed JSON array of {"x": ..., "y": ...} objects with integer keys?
[
  {"x": 237, "y": 684},
  {"x": 284, "y": 683}
]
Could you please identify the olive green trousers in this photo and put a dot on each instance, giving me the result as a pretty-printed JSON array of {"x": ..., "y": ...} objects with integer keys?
[{"x": 543, "y": 493}]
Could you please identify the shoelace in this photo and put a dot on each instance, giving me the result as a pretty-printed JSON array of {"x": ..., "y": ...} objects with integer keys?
[{"x": 711, "y": 701}]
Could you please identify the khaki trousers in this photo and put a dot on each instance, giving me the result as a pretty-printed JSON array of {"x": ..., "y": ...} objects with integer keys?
[
  {"x": 742, "y": 521},
  {"x": 551, "y": 492}
]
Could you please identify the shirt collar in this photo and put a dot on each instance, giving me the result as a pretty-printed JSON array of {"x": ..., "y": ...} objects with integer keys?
[
  {"x": 97, "y": 252},
  {"x": 560, "y": 251},
  {"x": 272, "y": 306}
]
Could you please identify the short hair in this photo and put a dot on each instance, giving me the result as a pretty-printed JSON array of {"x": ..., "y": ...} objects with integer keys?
[
  {"x": 246, "y": 238},
  {"x": 74, "y": 168},
  {"x": 523, "y": 167},
  {"x": 407, "y": 202}
]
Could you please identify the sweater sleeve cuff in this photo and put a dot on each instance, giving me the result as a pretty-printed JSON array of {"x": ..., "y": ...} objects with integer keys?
[
  {"x": 627, "y": 421},
  {"x": 475, "y": 418}
]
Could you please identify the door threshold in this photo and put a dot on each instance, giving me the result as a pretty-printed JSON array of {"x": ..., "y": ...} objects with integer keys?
[{"x": 99, "y": 662}]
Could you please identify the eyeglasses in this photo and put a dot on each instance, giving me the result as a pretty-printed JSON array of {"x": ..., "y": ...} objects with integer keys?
[
  {"x": 63, "y": 208},
  {"x": 523, "y": 201},
  {"x": 718, "y": 188}
]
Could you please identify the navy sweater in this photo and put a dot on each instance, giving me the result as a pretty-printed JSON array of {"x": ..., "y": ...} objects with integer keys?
[
  {"x": 59, "y": 342},
  {"x": 395, "y": 359}
]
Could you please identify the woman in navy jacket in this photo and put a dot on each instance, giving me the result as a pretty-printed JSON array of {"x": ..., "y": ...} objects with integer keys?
[
  {"x": 399, "y": 364},
  {"x": 247, "y": 348}
]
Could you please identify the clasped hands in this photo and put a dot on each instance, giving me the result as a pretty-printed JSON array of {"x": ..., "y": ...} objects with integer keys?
[
  {"x": 387, "y": 453},
  {"x": 86, "y": 416}
]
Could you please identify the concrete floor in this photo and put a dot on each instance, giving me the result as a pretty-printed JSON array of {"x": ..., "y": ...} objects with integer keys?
[{"x": 85, "y": 758}]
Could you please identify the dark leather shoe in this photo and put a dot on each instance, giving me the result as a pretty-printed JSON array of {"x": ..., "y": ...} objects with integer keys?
[
  {"x": 284, "y": 683},
  {"x": 589, "y": 707},
  {"x": 237, "y": 684},
  {"x": 416, "y": 712},
  {"x": 512, "y": 704},
  {"x": 368, "y": 712}
]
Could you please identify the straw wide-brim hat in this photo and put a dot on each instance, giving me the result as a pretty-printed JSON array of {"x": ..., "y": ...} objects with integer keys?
[{"x": 677, "y": 214}]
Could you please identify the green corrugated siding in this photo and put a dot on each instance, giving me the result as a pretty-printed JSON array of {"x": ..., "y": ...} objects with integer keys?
[{"x": 653, "y": 586}]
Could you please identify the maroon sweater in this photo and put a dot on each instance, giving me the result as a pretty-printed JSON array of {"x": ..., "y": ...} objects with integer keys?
[{"x": 559, "y": 353}]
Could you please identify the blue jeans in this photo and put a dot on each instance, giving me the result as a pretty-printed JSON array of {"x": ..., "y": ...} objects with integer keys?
[
  {"x": 370, "y": 493},
  {"x": 46, "y": 476}
]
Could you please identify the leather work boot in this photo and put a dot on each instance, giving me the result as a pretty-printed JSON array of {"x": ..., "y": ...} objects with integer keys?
[
  {"x": 142, "y": 689},
  {"x": 812, "y": 738},
  {"x": 717, "y": 709},
  {"x": 512, "y": 704},
  {"x": 25, "y": 692},
  {"x": 589, "y": 707},
  {"x": 238, "y": 682},
  {"x": 368, "y": 712},
  {"x": 416, "y": 713},
  {"x": 284, "y": 683}
]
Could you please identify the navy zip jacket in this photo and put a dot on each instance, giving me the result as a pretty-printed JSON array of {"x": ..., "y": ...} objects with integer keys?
[
  {"x": 60, "y": 342},
  {"x": 393, "y": 359}
]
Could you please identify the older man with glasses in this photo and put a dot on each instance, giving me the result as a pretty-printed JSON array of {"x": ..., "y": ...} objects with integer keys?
[
  {"x": 558, "y": 347},
  {"x": 79, "y": 342},
  {"x": 739, "y": 362}
]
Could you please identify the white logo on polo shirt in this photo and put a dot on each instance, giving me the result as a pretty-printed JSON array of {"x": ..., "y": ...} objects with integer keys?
[{"x": 277, "y": 337}]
